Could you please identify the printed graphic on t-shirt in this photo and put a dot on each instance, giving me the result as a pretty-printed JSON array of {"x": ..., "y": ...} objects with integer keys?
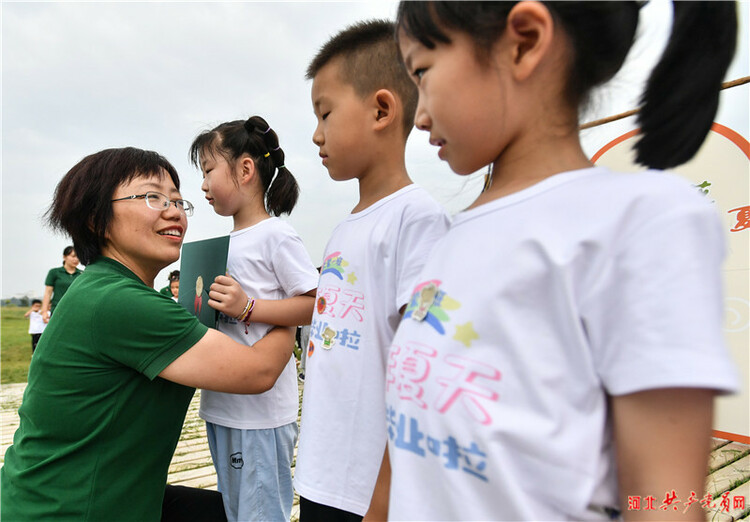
[
  {"x": 460, "y": 457},
  {"x": 340, "y": 309},
  {"x": 449, "y": 382},
  {"x": 429, "y": 304},
  {"x": 334, "y": 264},
  {"x": 460, "y": 386}
]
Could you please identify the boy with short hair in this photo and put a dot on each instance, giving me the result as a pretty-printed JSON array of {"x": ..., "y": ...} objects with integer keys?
[
  {"x": 365, "y": 104},
  {"x": 36, "y": 322}
]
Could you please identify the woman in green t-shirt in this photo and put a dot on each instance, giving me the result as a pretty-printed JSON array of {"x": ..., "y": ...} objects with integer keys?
[
  {"x": 110, "y": 383},
  {"x": 58, "y": 281}
]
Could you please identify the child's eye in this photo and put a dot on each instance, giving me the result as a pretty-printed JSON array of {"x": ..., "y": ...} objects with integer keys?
[
  {"x": 418, "y": 73},
  {"x": 324, "y": 116}
]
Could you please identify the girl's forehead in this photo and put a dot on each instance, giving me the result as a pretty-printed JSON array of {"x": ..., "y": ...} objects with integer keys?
[{"x": 210, "y": 153}]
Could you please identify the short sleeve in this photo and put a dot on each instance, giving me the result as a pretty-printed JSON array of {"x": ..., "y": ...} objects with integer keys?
[
  {"x": 419, "y": 232},
  {"x": 655, "y": 321},
  {"x": 51, "y": 277},
  {"x": 293, "y": 267},
  {"x": 143, "y": 329}
]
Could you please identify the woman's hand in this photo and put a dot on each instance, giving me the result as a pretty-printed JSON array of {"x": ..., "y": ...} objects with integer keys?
[
  {"x": 227, "y": 296},
  {"x": 48, "y": 290}
]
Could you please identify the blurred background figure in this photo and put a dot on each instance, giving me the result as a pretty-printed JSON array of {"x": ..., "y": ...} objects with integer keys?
[{"x": 58, "y": 281}]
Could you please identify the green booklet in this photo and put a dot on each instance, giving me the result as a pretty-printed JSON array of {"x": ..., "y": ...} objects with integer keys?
[{"x": 200, "y": 263}]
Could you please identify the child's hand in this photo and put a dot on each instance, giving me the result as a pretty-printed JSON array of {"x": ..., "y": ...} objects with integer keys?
[{"x": 227, "y": 296}]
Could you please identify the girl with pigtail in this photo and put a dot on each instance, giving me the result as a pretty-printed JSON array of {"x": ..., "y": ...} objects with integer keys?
[
  {"x": 270, "y": 281},
  {"x": 561, "y": 353}
]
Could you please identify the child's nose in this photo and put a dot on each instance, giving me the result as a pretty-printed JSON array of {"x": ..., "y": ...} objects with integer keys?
[
  {"x": 421, "y": 118},
  {"x": 317, "y": 136}
]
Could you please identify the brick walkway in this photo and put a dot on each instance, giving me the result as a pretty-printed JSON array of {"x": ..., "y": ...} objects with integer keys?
[{"x": 729, "y": 468}]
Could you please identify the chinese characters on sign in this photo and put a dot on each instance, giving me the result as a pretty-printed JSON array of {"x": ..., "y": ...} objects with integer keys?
[{"x": 743, "y": 218}]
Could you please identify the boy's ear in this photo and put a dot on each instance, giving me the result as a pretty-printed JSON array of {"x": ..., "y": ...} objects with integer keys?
[
  {"x": 385, "y": 107},
  {"x": 530, "y": 30}
]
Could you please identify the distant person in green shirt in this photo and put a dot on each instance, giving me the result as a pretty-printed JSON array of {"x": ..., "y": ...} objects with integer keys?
[
  {"x": 58, "y": 281},
  {"x": 174, "y": 287},
  {"x": 169, "y": 290},
  {"x": 111, "y": 380}
]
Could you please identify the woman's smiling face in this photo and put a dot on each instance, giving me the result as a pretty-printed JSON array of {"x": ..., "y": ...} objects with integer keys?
[{"x": 143, "y": 239}]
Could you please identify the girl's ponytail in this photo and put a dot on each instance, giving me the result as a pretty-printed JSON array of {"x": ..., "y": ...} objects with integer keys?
[
  {"x": 682, "y": 93},
  {"x": 282, "y": 195},
  {"x": 281, "y": 190}
]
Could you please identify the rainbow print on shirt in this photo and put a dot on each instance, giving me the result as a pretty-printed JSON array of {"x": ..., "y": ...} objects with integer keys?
[
  {"x": 429, "y": 304},
  {"x": 334, "y": 264}
]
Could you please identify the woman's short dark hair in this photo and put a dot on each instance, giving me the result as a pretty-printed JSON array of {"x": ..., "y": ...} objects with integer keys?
[
  {"x": 68, "y": 250},
  {"x": 82, "y": 204}
]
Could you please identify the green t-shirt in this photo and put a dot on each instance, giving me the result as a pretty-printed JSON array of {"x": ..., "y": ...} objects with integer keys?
[
  {"x": 98, "y": 427},
  {"x": 60, "y": 280}
]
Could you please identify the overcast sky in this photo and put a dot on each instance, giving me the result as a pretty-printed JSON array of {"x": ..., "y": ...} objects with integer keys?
[{"x": 81, "y": 77}]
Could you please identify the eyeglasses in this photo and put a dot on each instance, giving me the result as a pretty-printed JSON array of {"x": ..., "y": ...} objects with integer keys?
[{"x": 160, "y": 202}]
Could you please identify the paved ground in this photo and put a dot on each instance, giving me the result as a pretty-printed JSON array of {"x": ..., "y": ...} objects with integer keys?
[{"x": 728, "y": 478}]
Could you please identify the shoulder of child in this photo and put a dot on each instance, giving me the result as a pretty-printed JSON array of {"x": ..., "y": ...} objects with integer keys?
[
  {"x": 663, "y": 187},
  {"x": 422, "y": 204}
]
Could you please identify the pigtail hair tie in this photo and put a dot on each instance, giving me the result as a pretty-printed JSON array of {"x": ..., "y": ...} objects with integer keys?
[{"x": 267, "y": 130}]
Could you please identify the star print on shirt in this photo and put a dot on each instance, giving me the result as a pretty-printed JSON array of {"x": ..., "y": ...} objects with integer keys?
[
  {"x": 351, "y": 278},
  {"x": 466, "y": 333}
]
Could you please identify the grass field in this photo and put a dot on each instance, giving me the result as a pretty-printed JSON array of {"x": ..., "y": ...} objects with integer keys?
[{"x": 15, "y": 345}]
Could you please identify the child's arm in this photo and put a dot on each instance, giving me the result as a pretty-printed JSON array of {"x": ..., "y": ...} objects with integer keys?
[
  {"x": 28, "y": 312},
  {"x": 662, "y": 440},
  {"x": 228, "y": 297},
  {"x": 293, "y": 311},
  {"x": 378, "y": 509}
]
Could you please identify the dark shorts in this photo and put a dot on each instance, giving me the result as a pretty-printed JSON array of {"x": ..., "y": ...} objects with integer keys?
[
  {"x": 183, "y": 504},
  {"x": 310, "y": 511}
]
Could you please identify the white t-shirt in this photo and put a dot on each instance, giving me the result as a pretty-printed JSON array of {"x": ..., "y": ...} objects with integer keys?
[
  {"x": 270, "y": 262},
  {"x": 36, "y": 323},
  {"x": 369, "y": 269},
  {"x": 536, "y": 306}
]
